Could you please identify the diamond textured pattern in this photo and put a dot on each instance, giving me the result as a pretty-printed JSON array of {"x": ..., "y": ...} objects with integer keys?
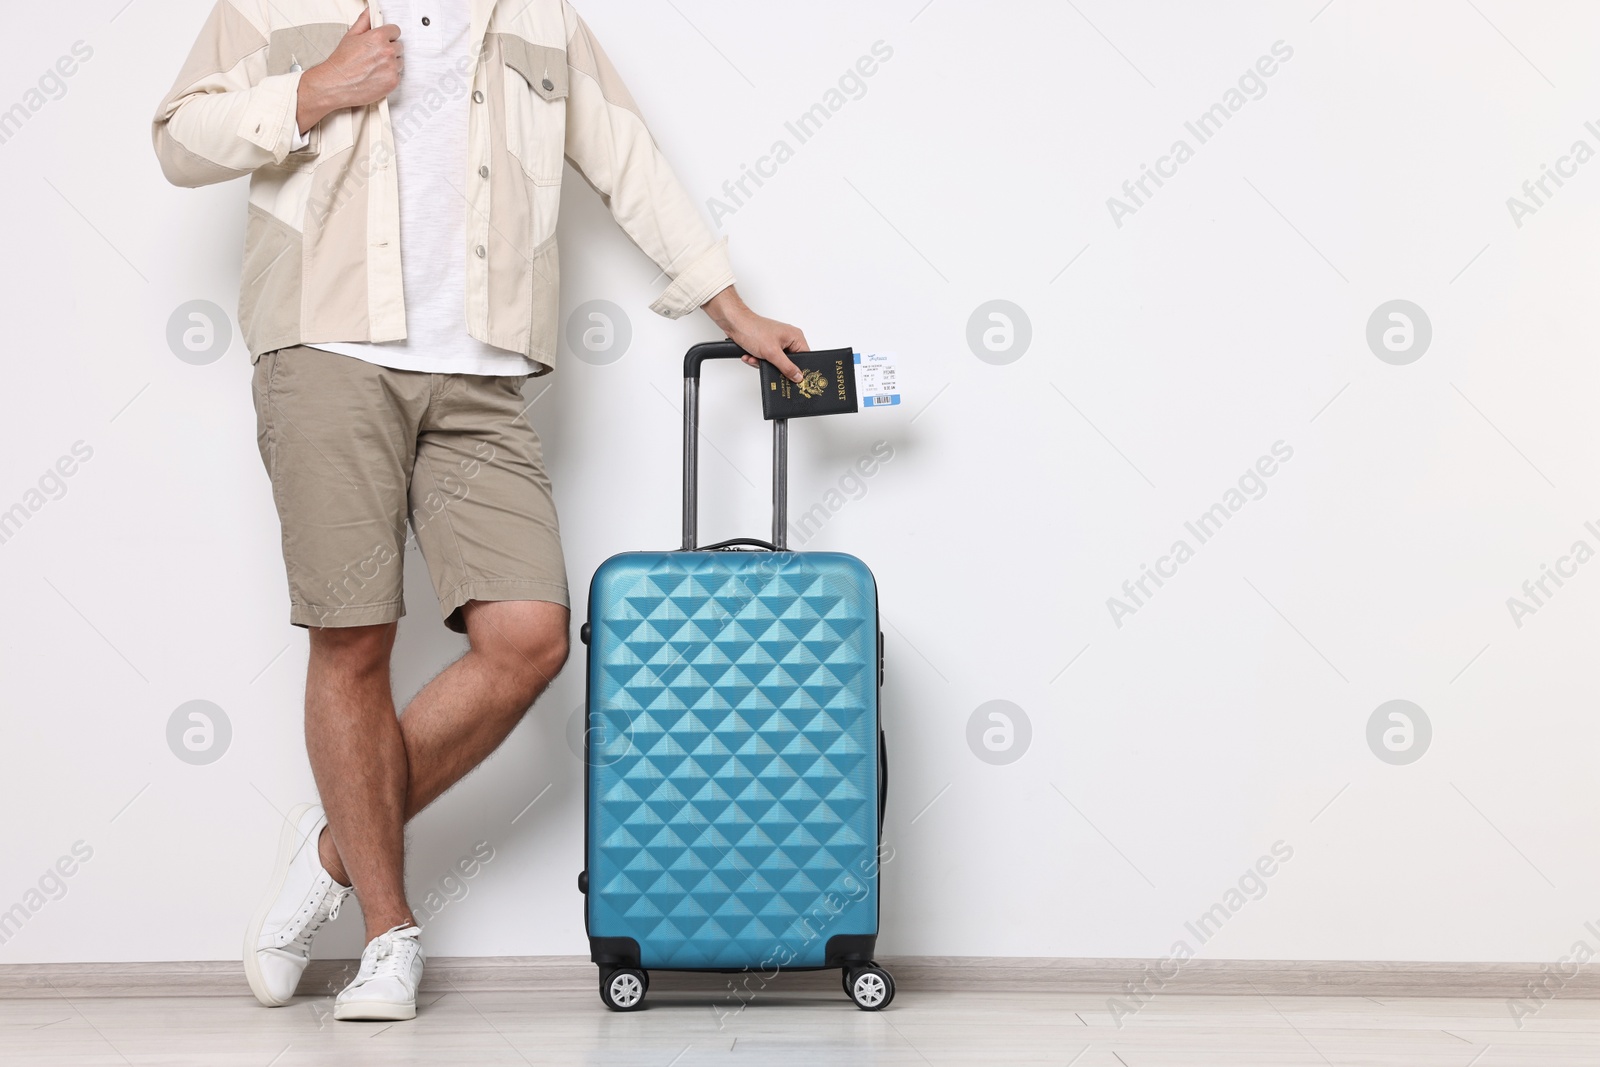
[{"x": 733, "y": 774}]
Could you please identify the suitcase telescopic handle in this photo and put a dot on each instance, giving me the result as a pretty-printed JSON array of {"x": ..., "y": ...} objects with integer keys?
[{"x": 691, "y": 454}]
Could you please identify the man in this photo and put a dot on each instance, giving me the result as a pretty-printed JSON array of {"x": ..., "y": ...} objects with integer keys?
[{"x": 399, "y": 286}]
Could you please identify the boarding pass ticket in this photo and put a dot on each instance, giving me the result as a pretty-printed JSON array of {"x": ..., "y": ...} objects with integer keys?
[{"x": 877, "y": 384}]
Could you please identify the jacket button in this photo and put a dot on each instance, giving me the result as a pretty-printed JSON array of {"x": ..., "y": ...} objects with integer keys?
[
  {"x": 483, "y": 172},
  {"x": 483, "y": 253},
  {"x": 477, "y": 96},
  {"x": 549, "y": 86}
]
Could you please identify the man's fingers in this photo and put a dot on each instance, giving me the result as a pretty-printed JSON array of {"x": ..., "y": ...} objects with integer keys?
[
  {"x": 751, "y": 360},
  {"x": 799, "y": 343},
  {"x": 784, "y": 365},
  {"x": 390, "y": 30},
  {"x": 363, "y": 23}
]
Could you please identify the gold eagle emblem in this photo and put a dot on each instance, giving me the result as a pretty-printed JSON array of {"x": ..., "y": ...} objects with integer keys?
[{"x": 813, "y": 385}]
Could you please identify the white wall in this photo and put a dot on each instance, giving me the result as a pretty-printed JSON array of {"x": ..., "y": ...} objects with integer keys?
[{"x": 1229, "y": 313}]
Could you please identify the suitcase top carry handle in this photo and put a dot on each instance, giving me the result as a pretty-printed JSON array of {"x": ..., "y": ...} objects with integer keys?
[
  {"x": 691, "y": 455},
  {"x": 712, "y": 350}
]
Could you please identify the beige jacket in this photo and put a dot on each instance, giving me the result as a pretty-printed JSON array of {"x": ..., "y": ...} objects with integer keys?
[{"x": 322, "y": 244}]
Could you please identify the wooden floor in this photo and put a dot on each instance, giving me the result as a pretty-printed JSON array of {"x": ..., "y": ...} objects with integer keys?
[{"x": 683, "y": 1030}]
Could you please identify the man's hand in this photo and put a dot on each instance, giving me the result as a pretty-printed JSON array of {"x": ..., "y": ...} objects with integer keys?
[
  {"x": 765, "y": 339},
  {"x": 364, "y": 69}
]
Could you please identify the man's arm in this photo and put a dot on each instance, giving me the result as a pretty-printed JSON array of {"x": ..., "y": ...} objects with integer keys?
[
  {"x": 226, "y": 116},
  {"x": 364, "y": 69},
  {"x": 767, "y": 339},
  {"x": 608, "y": 142}
]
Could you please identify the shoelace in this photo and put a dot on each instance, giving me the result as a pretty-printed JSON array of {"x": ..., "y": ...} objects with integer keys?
[
  {"x": 302, "y": 940},
  {"x": 395, "y": 949}
]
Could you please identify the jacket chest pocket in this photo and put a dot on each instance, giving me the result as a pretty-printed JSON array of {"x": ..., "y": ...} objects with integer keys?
[
  {"x": 294, "y": 48},
  {"x": 536, "y": 90}
]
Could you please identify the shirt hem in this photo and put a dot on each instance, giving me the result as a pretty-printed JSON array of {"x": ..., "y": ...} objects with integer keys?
[{"x": 513, "y": 366}]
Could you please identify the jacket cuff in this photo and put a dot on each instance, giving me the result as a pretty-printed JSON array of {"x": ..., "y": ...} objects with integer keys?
[
  {"x": 269, "y": 121},
  {"x": 699, "y": 282}
]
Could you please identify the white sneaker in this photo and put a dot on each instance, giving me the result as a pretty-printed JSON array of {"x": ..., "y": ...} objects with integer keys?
[
  {"x": 385, "y": 989},
  {"x": 277, "y": 944}
]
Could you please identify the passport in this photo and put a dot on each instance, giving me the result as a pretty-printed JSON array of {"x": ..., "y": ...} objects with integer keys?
[{"x": 829, "y": 386}]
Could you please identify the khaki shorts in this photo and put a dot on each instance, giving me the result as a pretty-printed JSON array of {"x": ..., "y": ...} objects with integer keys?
[{"x": 354, "y": 450}]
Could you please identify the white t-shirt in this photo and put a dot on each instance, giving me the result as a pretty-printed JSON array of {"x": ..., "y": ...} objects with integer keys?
[{"x": 428, "y": 113}]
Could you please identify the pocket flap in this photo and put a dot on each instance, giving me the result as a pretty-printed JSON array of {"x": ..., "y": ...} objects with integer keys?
[{"x": 542, "y": 67}]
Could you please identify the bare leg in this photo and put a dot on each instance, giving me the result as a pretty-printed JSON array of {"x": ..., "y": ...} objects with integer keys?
[
  {"x": 359, "y": 759},
  {"x": 465, "y": 713},
  {"x": 462, "y": 716}
]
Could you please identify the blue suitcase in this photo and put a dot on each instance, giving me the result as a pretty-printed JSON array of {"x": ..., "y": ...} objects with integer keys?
[{"x": 735, "y": 769}]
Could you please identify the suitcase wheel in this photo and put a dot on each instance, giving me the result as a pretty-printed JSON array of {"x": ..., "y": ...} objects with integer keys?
[
  {"x": 624, "y": 989},
  {"x": 870, "y": 987}
]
